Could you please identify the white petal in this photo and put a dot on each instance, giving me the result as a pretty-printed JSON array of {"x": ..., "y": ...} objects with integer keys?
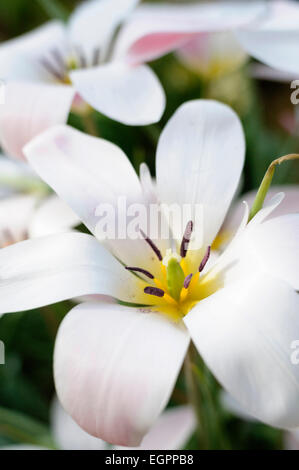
[
  {"x": 94, "y": 298},
  {"x": 289, "y": 205},
  {"x": 20, "y": 58},
  {"x": 93, "y": 22},
  {"x": 68, "y": 435},
  {"x": 115, "y": 368},
  {"x": 275, "y": 40},
  {"x": 28, "y": 110},
  {"x": 153, "y": 30},
  {"x": 291, "y": 440},
  {"x": 17, "y": 176},
  {"x": 52, "y": 216},
  {"x": 199, "y": 162},
  {"x": 16, "y": 213},
  {"x": 46, "y": 270},
  {"x": 171, "y": 430},
  {"x": 273, "y": 245},
  {"x": 13, "y": 169},
  {"x": 244, "y": 332},
  {"x": 130, "y": 94},
  {"x": 268, "y": 208},
  {"x": 231, "y": 405},
  {"x": 88, "y": 173},
  {"x": 242, "y": 256},
  {"x": 277, "y": 49},
  {"x": 147, "y": 183},
  {"x": 20, "y": 67},
  {"x": 263, "y": 72},
  {"x": 95, "y": 170}
]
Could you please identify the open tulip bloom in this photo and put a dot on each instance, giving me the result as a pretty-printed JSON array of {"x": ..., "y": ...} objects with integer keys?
[
  {"x": 116, "y": 364},
  {"x": 59, "y": 66}
]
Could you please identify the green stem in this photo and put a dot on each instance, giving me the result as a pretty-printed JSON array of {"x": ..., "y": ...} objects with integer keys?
[
  {"x": 203, "y": 394},
  {"x": 193, "y": 392},
  {"x": 266, "y": 182},
  {"x": 55, "y": 9},
  {"x": 205, "y": 88}
]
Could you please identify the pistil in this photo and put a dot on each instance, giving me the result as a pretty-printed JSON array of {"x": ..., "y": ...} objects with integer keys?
[
  {"x": 174, "y": 274},
  {"x": 177, "y": 289}
]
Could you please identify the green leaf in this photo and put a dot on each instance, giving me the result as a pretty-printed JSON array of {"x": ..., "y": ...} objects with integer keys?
[
  {"x": 54, "y": 9},
  {"x": 23, "y": 429}
]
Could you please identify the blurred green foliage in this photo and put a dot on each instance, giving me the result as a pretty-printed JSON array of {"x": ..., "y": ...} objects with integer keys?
[{"x": 26, "y": 382}]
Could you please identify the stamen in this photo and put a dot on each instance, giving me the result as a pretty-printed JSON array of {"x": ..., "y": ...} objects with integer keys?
[
  {"x": 81, "y": 57},
  {"x": 96, "y": 56},
  {"x": 59, "y": 59},
  {"x": 186, "y": 239},
  {"x": 205, "y": 259},
  {"x": 187, "y": 280},
  {"x": 51, "y": 69},
  {"x": 154, "y": 291},
  {"x": 152, "y": 245},
  {"x": 140, "y": 270}
]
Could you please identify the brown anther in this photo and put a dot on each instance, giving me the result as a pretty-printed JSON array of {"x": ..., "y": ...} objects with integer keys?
[
  {"x": 186, "y": 239},
  {"x": 154, "y": 291},
  {"x": 205, "y": 259}
]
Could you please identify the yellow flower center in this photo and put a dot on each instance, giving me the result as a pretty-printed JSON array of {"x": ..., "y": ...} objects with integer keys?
[
  {"x": 59, "y": 65},
  {"x": 177, "y": 289},
  {"x": 179, "y": 298}
]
